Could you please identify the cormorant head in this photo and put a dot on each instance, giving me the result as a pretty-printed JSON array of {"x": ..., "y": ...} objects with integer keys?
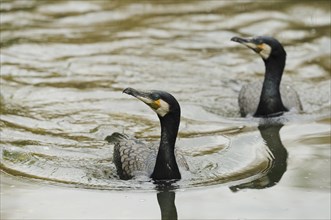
[
  {"x": 265, "y": 46},
  {"x": 161, "y": 102}
]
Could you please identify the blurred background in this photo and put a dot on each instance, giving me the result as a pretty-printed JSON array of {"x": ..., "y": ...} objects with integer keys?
[{"x": 64, "y": 65}]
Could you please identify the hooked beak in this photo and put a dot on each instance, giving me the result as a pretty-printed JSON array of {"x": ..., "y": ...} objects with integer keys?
[
  {"x": 134, "y": 93},
  {"x": 240, "y": 40},
  {"x": 143, "y": 96},
  {"x": 248, "y": 42}
]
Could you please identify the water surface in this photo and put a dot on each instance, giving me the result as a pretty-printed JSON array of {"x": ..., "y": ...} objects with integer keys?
[{"x": 64, "y": 65}]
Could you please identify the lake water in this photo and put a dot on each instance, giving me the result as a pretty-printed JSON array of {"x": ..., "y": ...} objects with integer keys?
[{"x": 64, "y": 65}]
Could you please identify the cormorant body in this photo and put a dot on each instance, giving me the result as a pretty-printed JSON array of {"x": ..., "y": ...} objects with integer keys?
[
  {"x": 267, "y": 98},
  {"x": 132, "y": 156}
]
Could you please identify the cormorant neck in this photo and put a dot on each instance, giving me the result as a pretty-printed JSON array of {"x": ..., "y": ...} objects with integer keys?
[
  {"x": 270, "y": 100},
  {"x": 166, "y": 166}
]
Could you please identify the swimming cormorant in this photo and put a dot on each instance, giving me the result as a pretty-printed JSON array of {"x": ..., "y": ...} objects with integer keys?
[
  {"x": 132, "y": 156},
  {"x": 267, "y": 98}
]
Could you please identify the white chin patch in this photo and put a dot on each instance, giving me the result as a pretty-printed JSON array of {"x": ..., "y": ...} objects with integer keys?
[
  {"x": 266, "y": 51},
  {"x": 163, "y": 109}
]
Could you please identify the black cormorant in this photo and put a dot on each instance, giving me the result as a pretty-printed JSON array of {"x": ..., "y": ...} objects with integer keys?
[
  {"x": 132, "y": 156},
  {"x": 267, "y": 98}
]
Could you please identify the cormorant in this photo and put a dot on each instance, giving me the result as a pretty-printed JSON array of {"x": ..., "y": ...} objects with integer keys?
[
  {"x": 132, "y": 156},
  {"x": 274, "y": 99}
]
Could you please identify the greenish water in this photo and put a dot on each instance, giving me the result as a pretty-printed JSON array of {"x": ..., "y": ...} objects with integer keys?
[{"x": 64, "y": 65}]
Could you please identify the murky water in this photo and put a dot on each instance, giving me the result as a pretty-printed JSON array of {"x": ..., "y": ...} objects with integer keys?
[{"x": 65, "y": 63}]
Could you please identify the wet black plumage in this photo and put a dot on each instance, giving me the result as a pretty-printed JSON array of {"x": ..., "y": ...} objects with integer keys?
[
  {"x": 268, "y": 98},
  {"x": 132, "y": 156}
]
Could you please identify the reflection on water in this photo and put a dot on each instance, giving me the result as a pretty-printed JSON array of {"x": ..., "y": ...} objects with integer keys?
[
  {"x": 270, "y": 134},
  {"x": 62, "y": 72},
  {"x": 65, "y": 63},
  {"x": 272, "y": 175},
  {"x": 166, "y": 200}
]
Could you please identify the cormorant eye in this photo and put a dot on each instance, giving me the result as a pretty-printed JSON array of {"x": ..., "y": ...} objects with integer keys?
[
  {"x": 155, "y": 96},
  {"x": 258, "y": 41}
]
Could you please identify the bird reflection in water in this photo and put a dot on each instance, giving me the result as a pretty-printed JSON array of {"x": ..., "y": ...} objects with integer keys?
[
  {"x": 166, "y": 199},
  {"x": 278, "y": 166}
]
